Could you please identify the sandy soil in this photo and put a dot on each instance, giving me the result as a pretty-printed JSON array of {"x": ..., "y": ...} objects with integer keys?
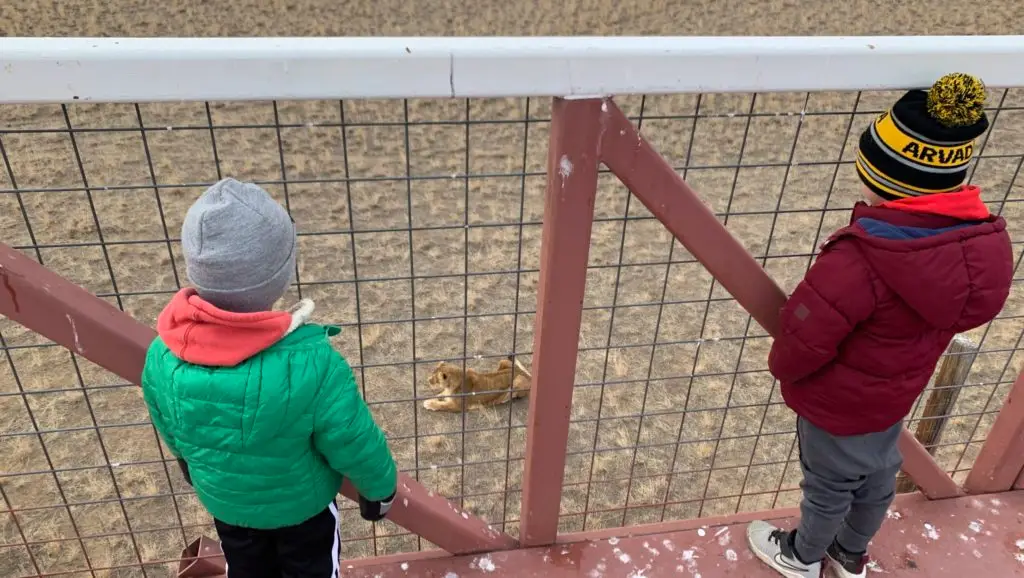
[{"x": 765, "y": 167}]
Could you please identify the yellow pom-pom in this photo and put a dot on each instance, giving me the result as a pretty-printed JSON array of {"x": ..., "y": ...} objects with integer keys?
[{"x": 957, "y": 99}]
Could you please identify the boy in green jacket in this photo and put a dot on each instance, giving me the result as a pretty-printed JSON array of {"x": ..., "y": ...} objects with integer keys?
[{"x": 263, "y": 415}]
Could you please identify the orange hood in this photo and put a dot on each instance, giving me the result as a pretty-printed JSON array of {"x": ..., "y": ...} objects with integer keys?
[{"x": 197, "y": 332}]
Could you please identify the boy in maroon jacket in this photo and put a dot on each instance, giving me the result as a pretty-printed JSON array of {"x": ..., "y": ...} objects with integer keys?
[{"x": 860, "y": 336}]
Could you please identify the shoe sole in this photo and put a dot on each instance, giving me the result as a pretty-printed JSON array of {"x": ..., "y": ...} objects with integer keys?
[{"x": 771, "y": 563}]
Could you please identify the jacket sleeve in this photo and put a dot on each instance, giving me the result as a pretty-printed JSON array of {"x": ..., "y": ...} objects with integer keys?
[
  {"x": 346, "y": 435},
  {"x": 834, "y": 296},
  {"x": 150, "y": 393}
]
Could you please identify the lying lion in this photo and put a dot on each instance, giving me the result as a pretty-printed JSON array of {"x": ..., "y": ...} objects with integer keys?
[{"x": 474, "y": 390}]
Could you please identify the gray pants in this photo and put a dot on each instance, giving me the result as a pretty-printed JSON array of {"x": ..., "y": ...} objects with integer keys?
[{"x": 849, "y": 483}]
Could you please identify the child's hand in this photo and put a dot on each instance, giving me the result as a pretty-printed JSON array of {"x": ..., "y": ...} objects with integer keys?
[{"x": 374, "y": 510}]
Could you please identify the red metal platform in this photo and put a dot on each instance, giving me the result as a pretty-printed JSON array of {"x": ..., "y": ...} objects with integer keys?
[{"x": 969, "y": 536}]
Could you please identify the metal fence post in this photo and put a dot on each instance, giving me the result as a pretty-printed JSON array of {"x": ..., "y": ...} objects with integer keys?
[{"x": 573, "y": 158}]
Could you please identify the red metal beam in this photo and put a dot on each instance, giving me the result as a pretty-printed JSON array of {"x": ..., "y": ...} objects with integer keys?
[
  {"x": 921, "y": 467},
  {"x": 59, "y": 310},
  {"x": 1000, "y": 464},
  {"x": 660, "y": 188},
  {"x": 576, "y": 127},
  {"x": 667, "y": 196}
]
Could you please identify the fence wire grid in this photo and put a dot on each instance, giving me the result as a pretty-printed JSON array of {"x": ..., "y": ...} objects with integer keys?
[{"x": 419, "y": 233}]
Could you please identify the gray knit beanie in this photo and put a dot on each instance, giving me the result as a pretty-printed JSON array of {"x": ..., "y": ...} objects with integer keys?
[{"x": 239, "y": 247}]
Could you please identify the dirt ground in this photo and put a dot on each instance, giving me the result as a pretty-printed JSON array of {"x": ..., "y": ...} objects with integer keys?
[{"x": 386, "y": 197}]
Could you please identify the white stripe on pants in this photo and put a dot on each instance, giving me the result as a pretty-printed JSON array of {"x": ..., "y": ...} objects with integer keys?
[{"x": 336, "y": 550}]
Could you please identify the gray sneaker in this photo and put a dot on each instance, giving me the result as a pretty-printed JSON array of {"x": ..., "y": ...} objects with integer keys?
[{"x": 775, "y": 548}]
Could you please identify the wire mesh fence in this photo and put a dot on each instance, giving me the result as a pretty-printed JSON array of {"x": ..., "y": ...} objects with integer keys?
[{"x": 419, "y": 231}]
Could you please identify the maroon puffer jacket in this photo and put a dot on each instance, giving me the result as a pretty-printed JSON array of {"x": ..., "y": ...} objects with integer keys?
[{"x": 862, "y": 333}]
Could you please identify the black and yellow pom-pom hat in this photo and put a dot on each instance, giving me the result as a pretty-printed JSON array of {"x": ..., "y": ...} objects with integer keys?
[{"x": 924, "y": 143}]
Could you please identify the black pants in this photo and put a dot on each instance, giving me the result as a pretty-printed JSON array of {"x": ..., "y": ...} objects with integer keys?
[{"x": 308, "y": 550}]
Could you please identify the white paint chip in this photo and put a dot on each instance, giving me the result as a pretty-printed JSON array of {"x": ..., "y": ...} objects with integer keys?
[{"x": 74, "y": 332}]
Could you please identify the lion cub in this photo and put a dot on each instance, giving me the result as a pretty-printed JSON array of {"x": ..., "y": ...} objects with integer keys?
[{"x": 477, "y": 389}]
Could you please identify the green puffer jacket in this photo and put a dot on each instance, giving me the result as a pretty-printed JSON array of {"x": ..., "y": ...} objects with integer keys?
[{"x": 265, "y": 413}]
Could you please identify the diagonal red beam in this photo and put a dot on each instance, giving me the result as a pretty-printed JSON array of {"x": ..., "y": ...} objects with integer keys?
[
  {"x": 660, "y": 188},
  {"x": 59, "y": 310},
  {"x": 1000, "y": 464}
]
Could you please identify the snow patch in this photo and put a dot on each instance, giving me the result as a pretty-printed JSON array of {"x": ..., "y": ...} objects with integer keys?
[
  {"x": 975, "y": 527},
  {"x": 690, "y": 558},
  {"x": 730, "y": 555},
  {"x": 486, "y": 564},
  {"x": 564, "y": 167},
  {"x": 930, "y": 532},
  {"x": 613, "y": 540},
  {"x": 701, "y": 532},
  {"x": 405, "y": 566},
  {"x": 892, "y": 515}
]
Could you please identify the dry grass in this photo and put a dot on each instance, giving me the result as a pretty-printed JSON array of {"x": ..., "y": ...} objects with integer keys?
[{"x": 704, "y": 385}]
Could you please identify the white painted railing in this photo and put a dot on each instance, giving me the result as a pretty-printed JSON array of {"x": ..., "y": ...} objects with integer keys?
[{"x": 169, "y": 69}]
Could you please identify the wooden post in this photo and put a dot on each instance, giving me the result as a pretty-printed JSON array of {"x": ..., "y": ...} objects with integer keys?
[{"x": 951, "y": 377}]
